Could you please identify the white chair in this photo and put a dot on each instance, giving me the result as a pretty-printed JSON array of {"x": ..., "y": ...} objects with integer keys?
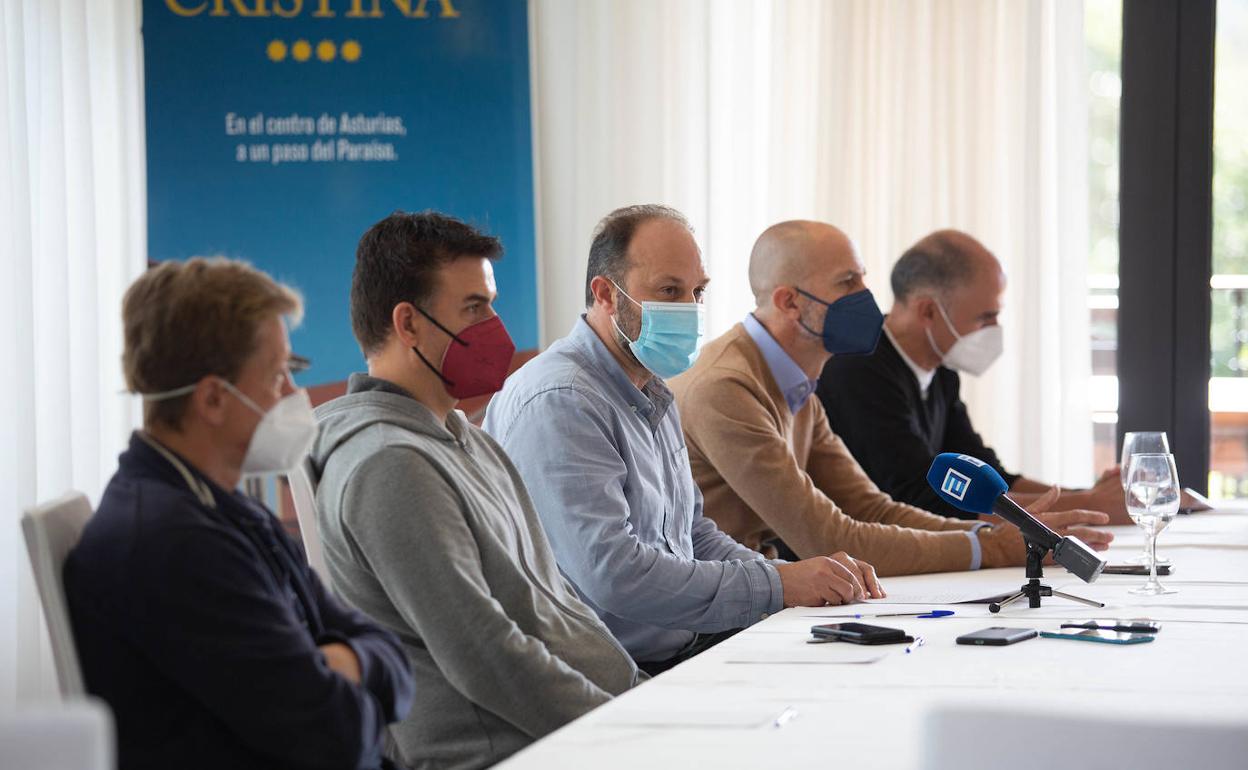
[
  {"x": 75, "y": 735},
  {"x": 302, "y": 479},
  {"x": 981, "y": 737},
  {"x": 51, "y": 530}
]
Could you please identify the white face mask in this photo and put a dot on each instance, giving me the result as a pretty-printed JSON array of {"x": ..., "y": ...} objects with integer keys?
[
  {"x": 972, "y": 353},
  {"x": 283, "y": 437}
]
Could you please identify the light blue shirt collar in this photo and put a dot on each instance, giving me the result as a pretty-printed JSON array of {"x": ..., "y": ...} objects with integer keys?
[
  {"x": 650, "y": 402},
  {"x": 793, "y": 382}
]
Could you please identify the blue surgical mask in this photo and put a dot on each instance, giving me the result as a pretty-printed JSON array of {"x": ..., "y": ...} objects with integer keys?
[
  {"x": 851, "y": 325},
  {"x": 671, "y": 333}
]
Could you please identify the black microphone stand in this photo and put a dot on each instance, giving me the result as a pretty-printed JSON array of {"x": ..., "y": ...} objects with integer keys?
[{"x": 1033, "y": 589}]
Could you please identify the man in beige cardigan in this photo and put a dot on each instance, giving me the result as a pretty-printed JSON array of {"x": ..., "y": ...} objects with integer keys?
[{"x": 760, "y": 447}]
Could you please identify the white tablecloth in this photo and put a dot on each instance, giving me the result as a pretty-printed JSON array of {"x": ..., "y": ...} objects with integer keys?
[{"x": 720, "y": 709}]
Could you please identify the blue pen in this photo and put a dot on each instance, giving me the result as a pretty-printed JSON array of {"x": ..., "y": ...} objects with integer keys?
[{"x": 928, "y": 614}]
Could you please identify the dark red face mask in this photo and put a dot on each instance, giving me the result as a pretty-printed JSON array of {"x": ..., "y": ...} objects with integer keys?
[{"x": 476, "y": 361}]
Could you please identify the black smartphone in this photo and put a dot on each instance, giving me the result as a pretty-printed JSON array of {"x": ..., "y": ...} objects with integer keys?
[
  {"x": 998, "y": 636},
  {"x": 860, "y": 633},
  {"x": 1133, "y": 569},
  {"x": 1096, "y": 635},
  {"x": 1139, "y": 626}
]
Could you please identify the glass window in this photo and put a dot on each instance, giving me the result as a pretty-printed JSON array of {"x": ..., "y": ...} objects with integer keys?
[
  {"x": 1228, "y": 332},
  {"x": 1103, "y": 36}
]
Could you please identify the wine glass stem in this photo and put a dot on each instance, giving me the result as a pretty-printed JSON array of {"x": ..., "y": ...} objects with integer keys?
[{"x": 1152, "y": 556}]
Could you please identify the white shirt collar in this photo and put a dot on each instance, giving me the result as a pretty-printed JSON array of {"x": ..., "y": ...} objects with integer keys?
[{"x": 924, "y": 376}]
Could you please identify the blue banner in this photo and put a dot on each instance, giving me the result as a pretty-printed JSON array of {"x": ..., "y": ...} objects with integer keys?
[{"x": 279, "y": 130}]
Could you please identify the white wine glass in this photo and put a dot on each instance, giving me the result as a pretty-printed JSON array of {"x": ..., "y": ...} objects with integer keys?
[
  {"x": 1153, "y": 502},
  {"x": 1142, "y": 442}
]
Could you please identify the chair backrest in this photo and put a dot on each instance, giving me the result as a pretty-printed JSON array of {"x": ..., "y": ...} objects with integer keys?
[
  {"x": 302, "y": 480},
  {"x": 75, "y": 735},
  {"x": 51, "y": 530}
]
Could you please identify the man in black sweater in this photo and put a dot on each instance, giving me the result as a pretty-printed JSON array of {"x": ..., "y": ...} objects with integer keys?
[
  {"x": 899, "y": 407},
  {"x": 195, "y": 616}
]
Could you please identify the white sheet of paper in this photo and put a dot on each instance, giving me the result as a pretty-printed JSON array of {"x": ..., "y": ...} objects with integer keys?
[
  {"x": 935, "y": 599},
  {"x": 744, "y": 718}
]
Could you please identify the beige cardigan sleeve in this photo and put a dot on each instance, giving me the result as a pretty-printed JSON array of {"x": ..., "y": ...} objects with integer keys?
[
  {"x": 835, "y": 471},
  {"x": 727, "y": 419}
]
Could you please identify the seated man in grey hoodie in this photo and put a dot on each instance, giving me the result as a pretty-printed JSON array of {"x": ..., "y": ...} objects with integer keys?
[{"x": 427, "y": 526}]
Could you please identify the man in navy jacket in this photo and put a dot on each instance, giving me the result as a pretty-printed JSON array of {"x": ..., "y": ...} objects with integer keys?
[{"x": 195, "y": 616}]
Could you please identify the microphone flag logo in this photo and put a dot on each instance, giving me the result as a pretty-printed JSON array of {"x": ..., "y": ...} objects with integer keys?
[{"x": 955, "y": 485}]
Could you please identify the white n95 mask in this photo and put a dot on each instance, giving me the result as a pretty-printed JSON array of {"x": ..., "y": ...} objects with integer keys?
[
  {"x": 283, "y": 436},
  {"x": 972, "y": 353}
]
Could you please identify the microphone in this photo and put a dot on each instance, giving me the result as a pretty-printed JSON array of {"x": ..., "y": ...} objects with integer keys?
[{"x": 972, "y": 485}]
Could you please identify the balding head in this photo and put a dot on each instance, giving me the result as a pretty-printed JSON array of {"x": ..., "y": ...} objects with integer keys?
[
  {"x": 790, "y": 253},
  {"x": 945, "y": 287},
  {"x": 942, "y": 263},
  {"x": 798, "y": 270}
]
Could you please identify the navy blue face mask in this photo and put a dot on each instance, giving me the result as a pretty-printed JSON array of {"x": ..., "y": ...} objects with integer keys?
[{"x": 851, "y": 325}]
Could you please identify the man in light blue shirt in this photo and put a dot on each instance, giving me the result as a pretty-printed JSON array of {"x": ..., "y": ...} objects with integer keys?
[{"x": 599, "y": 443}]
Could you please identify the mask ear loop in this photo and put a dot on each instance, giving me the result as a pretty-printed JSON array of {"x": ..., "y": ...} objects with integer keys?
[
  {"x": 813, "y": 298},
  {"x": 626, "y": 294},
  {"x": 616, "y": 323},
  {"x": 447, "y": 332},
  {"x": 188, "y": 389},
  {"x": 948, "y": 324}
]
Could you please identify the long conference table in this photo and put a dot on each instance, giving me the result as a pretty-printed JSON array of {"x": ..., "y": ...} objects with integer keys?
[{"x": 766, "y": 697}]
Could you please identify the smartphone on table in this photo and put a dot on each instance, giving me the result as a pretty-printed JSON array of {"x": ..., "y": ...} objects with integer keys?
[
  {"x": 997, "y": 636},
  {"x": 860, "y": 633},
  {"x": 1134, "y": 569}
]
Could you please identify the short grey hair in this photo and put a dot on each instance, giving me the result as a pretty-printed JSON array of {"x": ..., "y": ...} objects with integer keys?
[
  {"x": 937, "y": 263},
  {"x": 608, "y": 251}
]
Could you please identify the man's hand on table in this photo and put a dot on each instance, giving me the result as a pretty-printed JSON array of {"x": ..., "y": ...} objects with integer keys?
[
  {"x": 822, "y": 580},
  {"x": 1003, "y": 545}
]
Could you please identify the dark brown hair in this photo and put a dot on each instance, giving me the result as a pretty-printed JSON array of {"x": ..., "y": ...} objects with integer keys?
[{"x": 398, "y": 260}]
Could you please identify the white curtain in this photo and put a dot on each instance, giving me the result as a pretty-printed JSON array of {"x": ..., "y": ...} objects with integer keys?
[
  {"x": 888, "y": 118},
  {"x": 72, "y": 237}
]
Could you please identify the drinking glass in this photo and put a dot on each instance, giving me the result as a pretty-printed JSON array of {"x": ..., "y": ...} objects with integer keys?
[
  {"x": 1153, "y": 502},
  {"x": 1142, "y": 442}
]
